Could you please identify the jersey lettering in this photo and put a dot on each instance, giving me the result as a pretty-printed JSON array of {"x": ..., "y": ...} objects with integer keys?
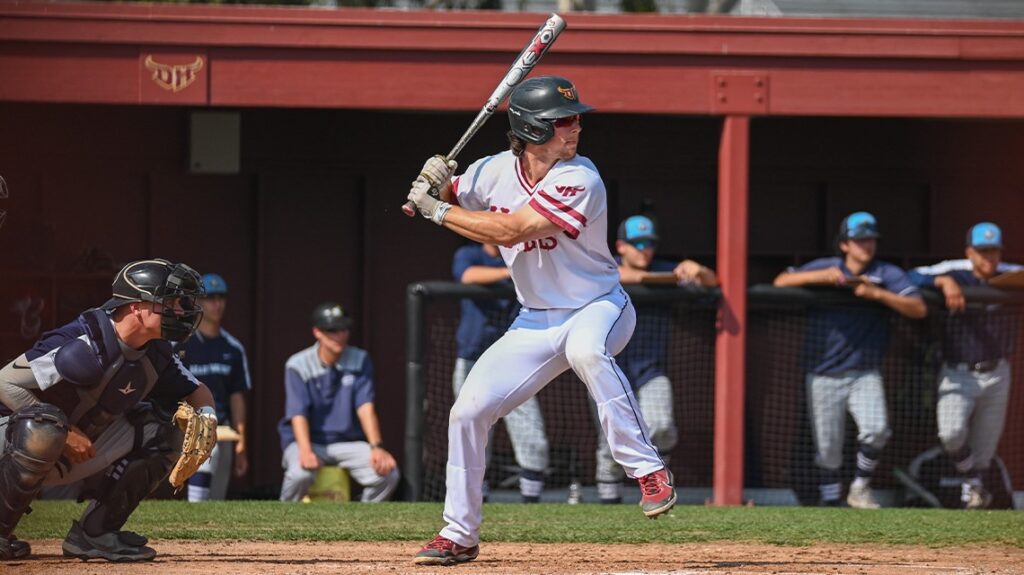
[
  {"x": 570, "y": 191},
  {"x": 548, "y": 243}
]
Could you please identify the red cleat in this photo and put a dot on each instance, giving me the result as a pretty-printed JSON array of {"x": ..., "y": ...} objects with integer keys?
[
  {"x": 444, "y": 551},
  {"x": 658, "y": 494}
]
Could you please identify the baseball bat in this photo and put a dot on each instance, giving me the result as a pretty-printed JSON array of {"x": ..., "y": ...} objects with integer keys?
[{"x": 521, "y": 67}]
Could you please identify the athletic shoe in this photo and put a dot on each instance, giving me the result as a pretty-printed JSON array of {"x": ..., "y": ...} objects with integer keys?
[
  {"x": 862, "y": 498},
  {"x": 976, "y": 497},
  {"x": 444, "y": 551},
  {"x": 13, "y": 548},
  {"x": 109, "y": 546},
  {"x": 658, "y": 494}
]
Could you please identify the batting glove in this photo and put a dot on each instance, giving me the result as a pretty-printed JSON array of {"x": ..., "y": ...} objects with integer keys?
[
  {"x": 438, "y": 171},
  {"x": 430, "y": 207}
]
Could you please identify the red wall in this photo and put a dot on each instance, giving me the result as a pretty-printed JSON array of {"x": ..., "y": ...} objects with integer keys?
[{"x": 314, "y": 213}]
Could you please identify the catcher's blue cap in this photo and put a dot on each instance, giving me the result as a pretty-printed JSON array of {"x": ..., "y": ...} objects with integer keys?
[
  {"x": 985, "y": 235},
  {"x": 214, "y": 285},
  {"x": 859, "y": 226},
  {"x": 639, "y": 231}
]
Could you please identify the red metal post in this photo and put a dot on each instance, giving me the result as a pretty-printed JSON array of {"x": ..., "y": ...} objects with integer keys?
[{"x": 730, "y": 346}]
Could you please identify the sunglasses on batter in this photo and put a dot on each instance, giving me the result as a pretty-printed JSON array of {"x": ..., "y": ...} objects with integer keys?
[{"x": 565, "y": 122}]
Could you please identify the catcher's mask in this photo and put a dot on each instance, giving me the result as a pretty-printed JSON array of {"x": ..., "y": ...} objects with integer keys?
[
  {"x": 538, "y": 102},
  {"x": 162, "y": 282}
]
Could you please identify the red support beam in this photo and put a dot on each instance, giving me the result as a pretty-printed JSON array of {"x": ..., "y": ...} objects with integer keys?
[{"x": 730, "y": 346}]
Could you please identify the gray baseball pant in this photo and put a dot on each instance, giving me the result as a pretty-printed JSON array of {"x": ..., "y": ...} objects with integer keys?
[
  {"x": 351, "y": 455},
  {"x": 859, "y": 392},
  {"x": 972, "y": 410}
]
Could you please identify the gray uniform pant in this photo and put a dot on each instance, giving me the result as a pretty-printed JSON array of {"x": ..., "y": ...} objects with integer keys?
[
  {"x": 972, "y": 410},
  {"x": 829, "y": 398},
  {"x": 525, "y": 425},
  {"x": 655, "y": 399},
  {"x": 112, "y": 445},
  {"x": 351, "y": 455}
]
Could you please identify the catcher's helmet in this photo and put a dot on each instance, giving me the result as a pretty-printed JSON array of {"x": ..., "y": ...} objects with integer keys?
[
  {"x": 539, "y": 100},
  {"x": 160, "y": 281}
]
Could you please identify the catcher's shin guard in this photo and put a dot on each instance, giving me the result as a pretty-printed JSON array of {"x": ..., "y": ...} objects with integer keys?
[
  {"x": 35, "y": 439},
  {"x": 128, "y": 481}
]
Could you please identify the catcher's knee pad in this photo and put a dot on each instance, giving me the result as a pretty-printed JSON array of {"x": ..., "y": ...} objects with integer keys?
[
  {"x": 129, "y": 480},
  {"x": 35, "y": 439}
]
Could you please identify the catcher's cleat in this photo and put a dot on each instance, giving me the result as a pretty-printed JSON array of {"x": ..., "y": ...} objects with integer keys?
[
  {"x": 658, "y": 494},
  {"x": 444, "y": 551},
  {"x": 112, "y": 546},
  {"x": 13, "y": 548}
]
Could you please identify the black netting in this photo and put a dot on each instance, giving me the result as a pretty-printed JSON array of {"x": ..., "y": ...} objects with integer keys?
[{"x": 783, "y": 335}]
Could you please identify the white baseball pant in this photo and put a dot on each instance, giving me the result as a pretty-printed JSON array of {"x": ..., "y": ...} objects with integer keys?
[{"x": 540, "y": 345}]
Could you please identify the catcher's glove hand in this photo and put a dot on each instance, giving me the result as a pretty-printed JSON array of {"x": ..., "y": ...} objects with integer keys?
[{"x": 200, "y": 429}]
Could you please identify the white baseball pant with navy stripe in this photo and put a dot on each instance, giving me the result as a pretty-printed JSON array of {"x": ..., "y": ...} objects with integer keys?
[{"x": 540, "y": 345}]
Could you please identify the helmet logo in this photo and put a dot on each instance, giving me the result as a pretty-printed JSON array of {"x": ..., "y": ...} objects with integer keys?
[{"x": 568, "y": 93}]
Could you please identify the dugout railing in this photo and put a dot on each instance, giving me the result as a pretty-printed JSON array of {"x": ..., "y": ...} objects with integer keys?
[{"x": 779, "y": 451}]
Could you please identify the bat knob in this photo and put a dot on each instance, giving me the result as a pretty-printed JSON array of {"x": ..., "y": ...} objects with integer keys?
[{"x": 409, "y": 209}]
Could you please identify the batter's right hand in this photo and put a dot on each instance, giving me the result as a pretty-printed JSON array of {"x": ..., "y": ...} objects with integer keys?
[{"x": 78, "y": 448}]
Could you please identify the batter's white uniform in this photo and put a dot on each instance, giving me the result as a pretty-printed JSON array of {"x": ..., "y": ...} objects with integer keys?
[{"x": 575, "y": 315}]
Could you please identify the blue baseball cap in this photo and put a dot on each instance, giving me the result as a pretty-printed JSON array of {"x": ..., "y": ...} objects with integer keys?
[
  {"x": 639, "y": 231},
  {"x": 985, "y": 235},
  {"x": 859, "y": 226},
  {"x": 214, "y": 285}
]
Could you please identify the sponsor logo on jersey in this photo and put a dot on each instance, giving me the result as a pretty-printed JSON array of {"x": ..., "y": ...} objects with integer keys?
[{"x": 570, "y": 191}]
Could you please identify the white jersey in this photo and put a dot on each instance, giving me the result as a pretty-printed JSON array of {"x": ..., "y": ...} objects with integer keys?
[{"x": 567, "y": 271}]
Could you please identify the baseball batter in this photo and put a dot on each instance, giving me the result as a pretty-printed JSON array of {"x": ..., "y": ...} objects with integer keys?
[
  {"x": 546, "y": 207},
  {"x": 974, "y": 384},
  {"x": 844, "y": 352}
]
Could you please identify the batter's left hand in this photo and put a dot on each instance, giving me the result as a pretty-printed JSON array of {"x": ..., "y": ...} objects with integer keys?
[
  {"x": 381, "y": 461},
  {"x": 419, "y": 194}
]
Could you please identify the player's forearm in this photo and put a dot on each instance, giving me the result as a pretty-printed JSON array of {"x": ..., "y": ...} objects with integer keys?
[
  {"x": 796, "y": 279},
  {"x": 300, "y": 428},
  {"x": 484, "y": 275},
  {"x": 367, "y": 415},
  {"x": 483, "y": 227},
  {"x": 911, "y": 307},
  {"x": 238, "y": 415},
  {"x": 200, "y": 397}
]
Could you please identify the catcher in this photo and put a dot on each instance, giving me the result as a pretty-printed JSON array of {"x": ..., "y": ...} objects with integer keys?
[{"x": 90, "y": 402}]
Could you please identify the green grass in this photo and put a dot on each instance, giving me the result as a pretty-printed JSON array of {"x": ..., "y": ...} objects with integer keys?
[{"x": 269, "y": 520}]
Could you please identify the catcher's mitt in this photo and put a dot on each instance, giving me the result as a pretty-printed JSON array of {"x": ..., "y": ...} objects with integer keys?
[{"x": 200, "y": 438}]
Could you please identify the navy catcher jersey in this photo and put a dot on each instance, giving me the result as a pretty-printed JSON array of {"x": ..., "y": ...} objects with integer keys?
[
  {"x": 327, "y": 395},
  {"x": 481, "y": 322},
  {"x": 92, "y": 376},
  {"x": 840, "y": 339},
  {"x": 644, "y": 356},
  {"x": 220, "y": 363}
]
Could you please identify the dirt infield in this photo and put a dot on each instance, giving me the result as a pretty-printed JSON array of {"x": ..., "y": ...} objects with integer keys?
[{"x": 245, "y": 557}]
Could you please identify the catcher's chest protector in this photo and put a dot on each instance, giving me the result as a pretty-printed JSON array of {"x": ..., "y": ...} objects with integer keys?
[{"x": 100, "y": 383}]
